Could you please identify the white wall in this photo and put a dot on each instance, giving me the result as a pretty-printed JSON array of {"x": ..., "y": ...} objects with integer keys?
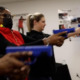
[{"x": 70, "y": 51}]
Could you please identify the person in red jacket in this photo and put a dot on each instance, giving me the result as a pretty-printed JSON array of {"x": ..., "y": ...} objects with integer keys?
[{"x": 20, "y": 24}]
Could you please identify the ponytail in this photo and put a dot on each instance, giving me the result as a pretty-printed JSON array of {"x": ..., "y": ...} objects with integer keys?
[{"x": 28, "y": 22}]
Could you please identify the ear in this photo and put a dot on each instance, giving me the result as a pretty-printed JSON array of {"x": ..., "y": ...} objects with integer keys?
[{"x": 34, "y": 21}]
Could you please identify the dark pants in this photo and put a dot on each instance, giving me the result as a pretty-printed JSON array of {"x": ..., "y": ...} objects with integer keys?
[{"x": 21, "y": 29}]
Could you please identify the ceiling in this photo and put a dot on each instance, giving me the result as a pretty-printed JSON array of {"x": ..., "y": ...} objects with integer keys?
[{"x": 9, "y": 1}]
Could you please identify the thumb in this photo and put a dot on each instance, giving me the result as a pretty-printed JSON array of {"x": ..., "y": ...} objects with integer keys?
[{"x": 62, "y": 33}]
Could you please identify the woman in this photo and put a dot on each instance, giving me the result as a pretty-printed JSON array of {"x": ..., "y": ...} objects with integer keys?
[{"x": 36, "y": 24}]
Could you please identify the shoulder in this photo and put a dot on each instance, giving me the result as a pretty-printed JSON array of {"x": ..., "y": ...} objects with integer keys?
[{"x": 32, "y": 32}]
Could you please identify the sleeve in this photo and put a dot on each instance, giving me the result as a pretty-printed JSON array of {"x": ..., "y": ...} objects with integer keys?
[
  {"x": 30, "y": 41},
  {"x": 3, "y": 44},
  {"x": 46, "y": 35}
]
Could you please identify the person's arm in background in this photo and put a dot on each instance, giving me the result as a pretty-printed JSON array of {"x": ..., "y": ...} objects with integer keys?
[
  {"x": 9, "y": 64},
  {"x": 77, "y": 32}
]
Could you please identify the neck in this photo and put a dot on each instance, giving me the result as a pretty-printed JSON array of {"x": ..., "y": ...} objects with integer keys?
[{"x": 36, "y": 29}]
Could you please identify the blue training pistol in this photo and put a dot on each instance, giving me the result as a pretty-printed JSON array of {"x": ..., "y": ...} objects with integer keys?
[
  {"x": 69, "y": 30},
  {"x": 36, "y": 51}
]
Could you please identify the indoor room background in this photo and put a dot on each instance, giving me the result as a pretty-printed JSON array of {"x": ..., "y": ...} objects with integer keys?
[{"x": 69, "y": 53}]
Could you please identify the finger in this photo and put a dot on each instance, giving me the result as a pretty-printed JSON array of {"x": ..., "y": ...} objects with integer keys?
[
  {"x": 61, "y": 38},
  {"x": 16, "y": 71},
  {"x": 60, "y": 43},
  {"x": 23, "y": 71},
  {"x": 61, "y": 33},
  {"x": 17, "y": 63},
  {"x": 25, "y": 68},
  {"x": 20, "y": 54}
]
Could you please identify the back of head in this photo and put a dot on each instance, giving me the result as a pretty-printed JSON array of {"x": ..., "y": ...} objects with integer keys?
[
  {"x": 31, "y": 18},
  {"x": 2, "y": 9},
  {"x": 6, "y": 19}
]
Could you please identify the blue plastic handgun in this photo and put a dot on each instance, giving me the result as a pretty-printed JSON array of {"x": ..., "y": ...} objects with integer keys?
[
  {"x": 36, "y": 51},
  {"x": 69, "y": 30}
]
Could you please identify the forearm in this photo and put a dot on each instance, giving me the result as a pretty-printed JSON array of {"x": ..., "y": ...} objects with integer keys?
[
  {"x": 39, "y": 42},
  {"x": 76, "y": 32},
  {"x": 71, "y": 34}
]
